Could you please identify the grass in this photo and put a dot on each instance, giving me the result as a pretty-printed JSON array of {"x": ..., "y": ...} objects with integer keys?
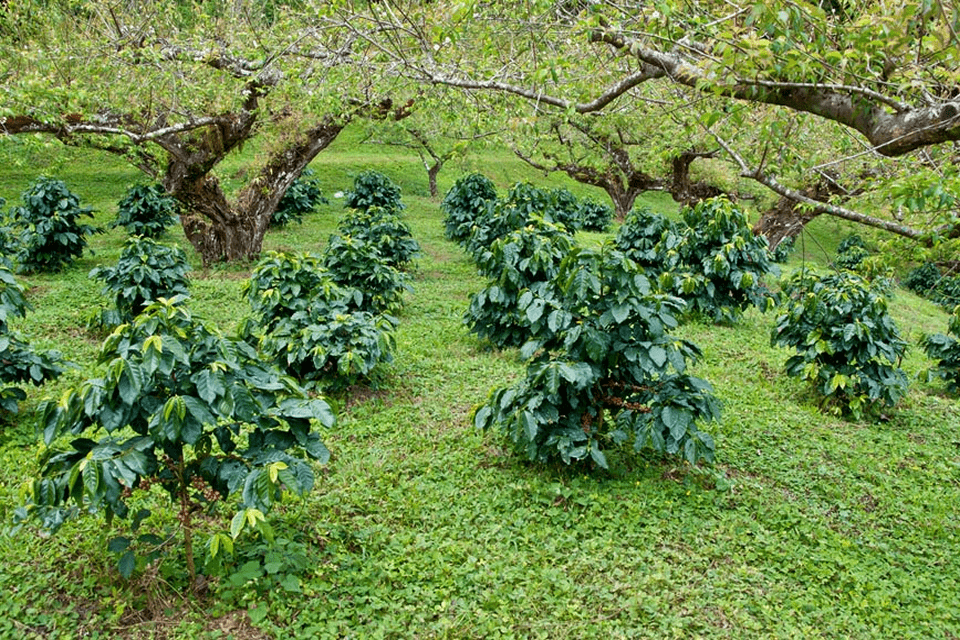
[{"x": 808, "y": 526}]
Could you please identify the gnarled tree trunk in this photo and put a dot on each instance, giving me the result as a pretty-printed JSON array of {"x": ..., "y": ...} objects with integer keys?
[
  {"x": 788, "y": 218},
  {"x": 686, "y": 192}
]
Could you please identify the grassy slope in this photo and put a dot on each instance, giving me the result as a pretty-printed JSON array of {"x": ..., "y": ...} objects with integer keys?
[{"x": 422, "y": 527}]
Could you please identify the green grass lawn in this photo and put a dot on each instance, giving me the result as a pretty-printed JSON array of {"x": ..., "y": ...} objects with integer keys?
[{"x": 421, "y": 526}]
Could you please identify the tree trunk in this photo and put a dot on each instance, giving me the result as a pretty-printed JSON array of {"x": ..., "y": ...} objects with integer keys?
[
  {"x": 222, "y": 231},
  {"x": 787, "y": 219},
  {"x": 432, "y": 172},
  {"x": 686, "y": 192}
]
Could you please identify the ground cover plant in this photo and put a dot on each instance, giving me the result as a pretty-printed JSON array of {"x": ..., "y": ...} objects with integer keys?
[{"x": 806, "y": 525}]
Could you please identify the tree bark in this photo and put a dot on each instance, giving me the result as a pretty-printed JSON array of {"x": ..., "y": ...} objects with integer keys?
[
  {"x": 682, "y": 190},
  {"x": 787, "y": 218},
  {"x": 432, "y": 171}
]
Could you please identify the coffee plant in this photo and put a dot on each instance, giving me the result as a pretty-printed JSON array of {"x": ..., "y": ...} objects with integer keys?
[
  {"x": 851, "y": 253},
  {"x": 924, "y": 279},
  {"x": 283, "y": 284},
  {"x": 330, "y": 344},
  {"x": 19, "y": 362},
  {"x": 594, "y": 216},
  {"x": 498, "y": 220},
  {"x": 146, "y": 210},
  {"x": 846, "y": 344},
  {"x": 384, "y": 230},
  {"x": 51, "y": 235},
  {"x": 301, "y": 198},
  {"x": 146, "y": 271},
  {"x": 650, "y": 240},
  {"x": 312, "y": 327},
  {"x": 945, "y": 349},
  {"x": 784, "y": 247},
  {"x": 518, "y": 267},
  {"x": 465, "y": 203},
  {"x": 720, "y": 263},
  {"x": 179, "y": 405},
  {"x": 558, "y": 205},
  {"x": 373, "y": 189},
  {"x": 8, "y": 240},
  {"x": 355, "y": 264},
  {"x": 604, "y": 370}
]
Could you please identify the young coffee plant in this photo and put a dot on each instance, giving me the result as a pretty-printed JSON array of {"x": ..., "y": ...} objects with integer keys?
[
  {"x": 721, "y": 264},
  {"x": 146, "y": 271},
  {"x": 498, "y": 220},
  {"x": 518, "y": 267},
  {"x": 179, "y": 405},
  {"x": 19, "y": 362},
  {"x": 301, "y": 198},
  {"x": 781, "y": 254},
  {"x": 314, "y": 329},
  {"x": 283, "y": 284},
  {"x": 558, "y": 205},
  {"x": 923, "y": 280},
  {"x": 465, "y": 203},
  {"x": 604, "y": 370},
  {"x": 850, "y": 253},
  {"x": 146, "y": 210},
  {"x": 650, "y": 240},
  {"x": 386, "y": 231},
  {"x": 373, "y": 189},
  {"x": 847, "y": 345},
  {"x": 8, "y": 240},
  {"x": 945, "y": 349},
  {"x": 331, "y": 344},
  {"x": 594, "y": 216},
  {"x": 51, "y": 235},
  {"x": 355, "y": 264}
]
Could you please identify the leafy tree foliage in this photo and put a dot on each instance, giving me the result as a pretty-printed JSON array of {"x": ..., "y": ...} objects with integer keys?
[
  {"x": 51, "y": 235},
  {"x": 604, "y": 370},
  {"x": 146, "y": 210},
  {"x": 180, "y": 405},
  {"x": 385, "y": 231},
  {"x": 518, "y": 267},
  {"x": 847, "y": 345},
  {"x": 19, "y": 362},
  {"x": 146, "y": 271},
  {"x": 945, "y": 349},
  {"x": 465, "y": 203},
  {"x": 301, "y": 198},
  {"x": 373, "y": 189}
]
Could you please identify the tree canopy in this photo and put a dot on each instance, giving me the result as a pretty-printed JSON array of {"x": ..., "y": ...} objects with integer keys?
[{"x": 789, "y": 91}]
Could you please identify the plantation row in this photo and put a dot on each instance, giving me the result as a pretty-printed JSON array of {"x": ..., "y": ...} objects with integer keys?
[
  {"x": 594, "y": 325},
  {"x": 211, "y": 419}
]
